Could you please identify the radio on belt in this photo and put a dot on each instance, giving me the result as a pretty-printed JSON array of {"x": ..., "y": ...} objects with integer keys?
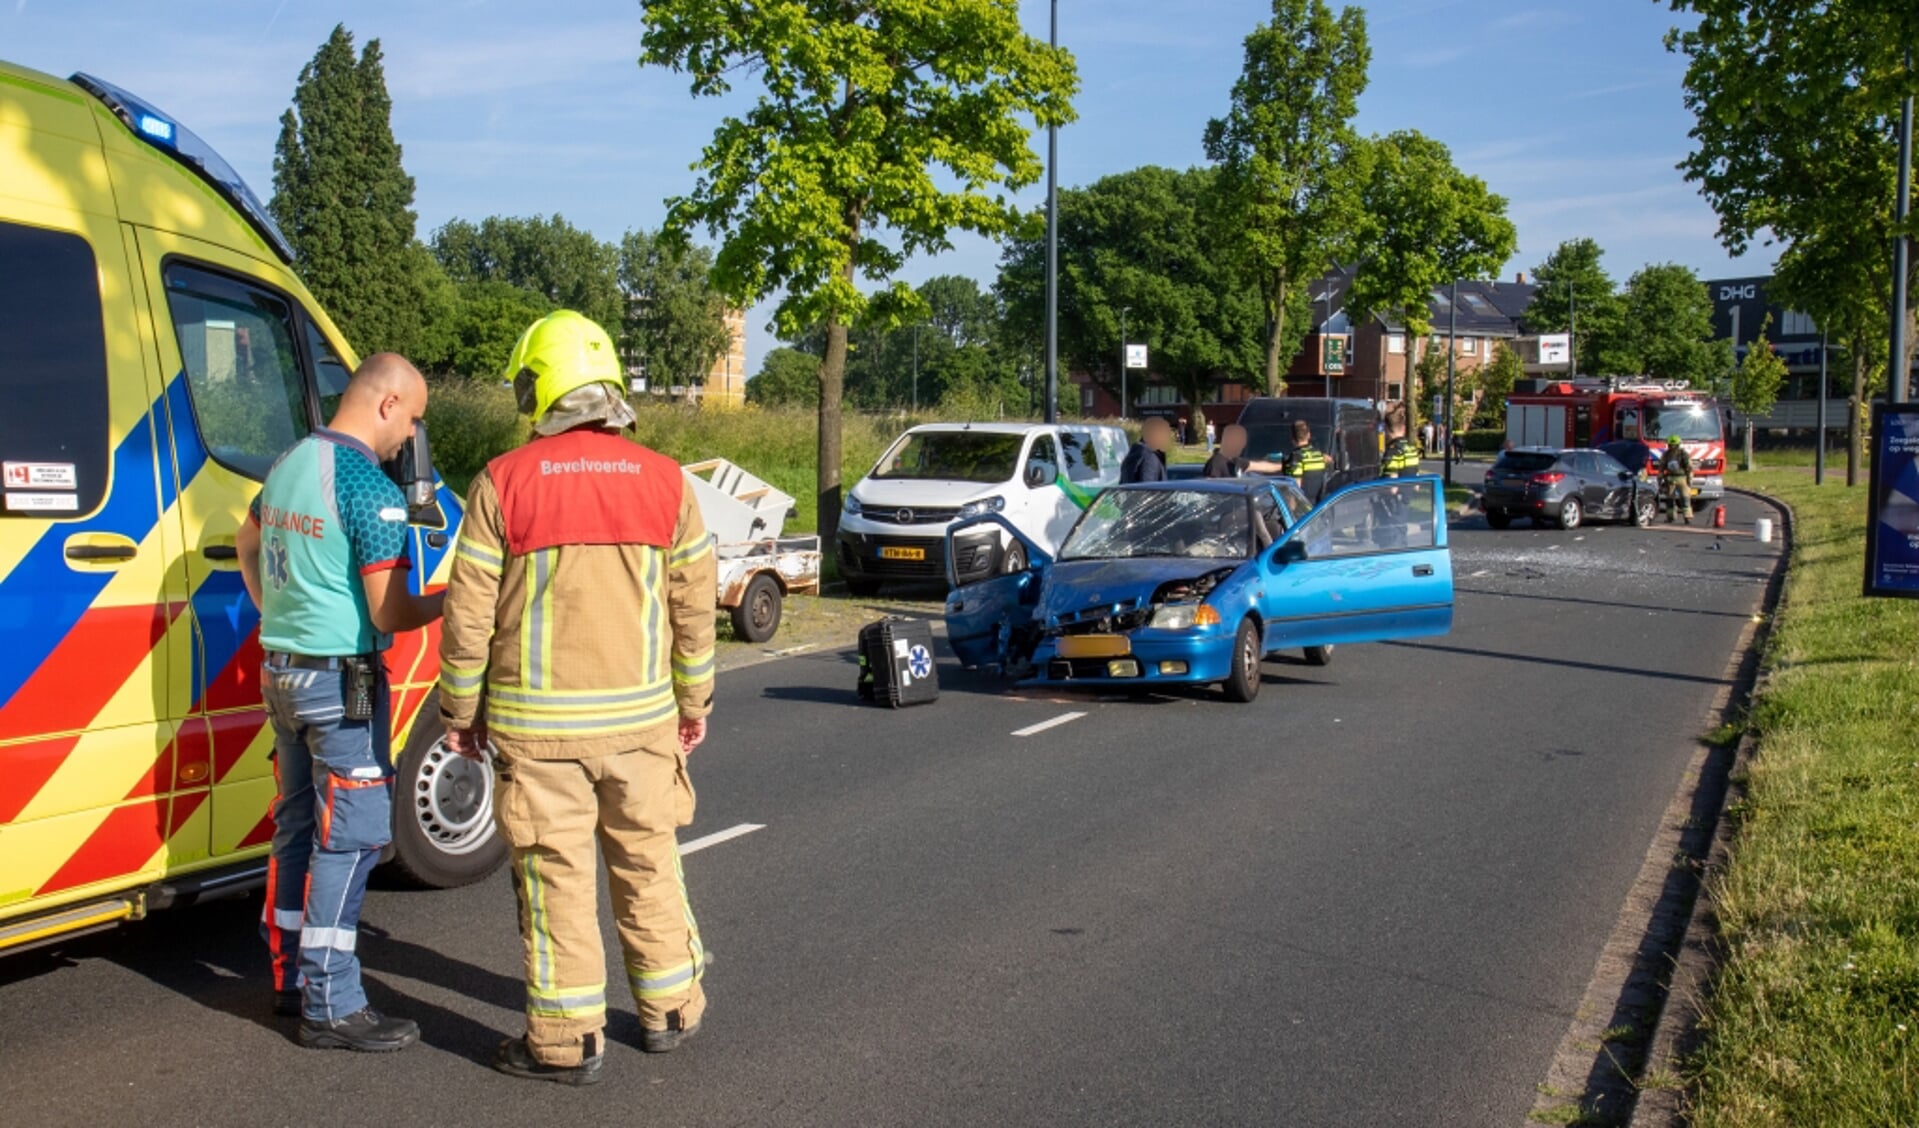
[{"x": 896, "y": 663}]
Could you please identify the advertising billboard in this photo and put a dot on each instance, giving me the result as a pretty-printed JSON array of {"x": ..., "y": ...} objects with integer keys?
[{"x": 1892, "y": 522}]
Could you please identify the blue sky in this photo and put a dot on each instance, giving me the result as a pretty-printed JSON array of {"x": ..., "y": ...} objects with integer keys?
[{"x": 1569, "y": 108}]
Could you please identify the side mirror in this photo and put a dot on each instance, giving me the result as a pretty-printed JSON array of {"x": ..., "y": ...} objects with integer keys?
[
  {"x": 1292, "y": 552},
  {"x": 1038, "y": 474},
  {"x": 412, "y": 471}
]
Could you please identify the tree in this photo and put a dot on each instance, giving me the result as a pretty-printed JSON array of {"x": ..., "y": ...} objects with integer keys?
[
  {"x": 1794, "y": 108},
  {"x": 675, "y": 320},
  {"x": 1665, "y": 328},
  {"x": 564, "y": 265},
  {"x": 1138, "y": 244},
  {"x": 1824, "y": 275},
  {"x": 787, "y": 378},
  {"x": 1496, "y": 382},
  {"x": 1285, "y": 151},
  {"x": 1755, "y": 387},
  {"x": 881, "y": 129},
  {"x": 344, "y": 201},
  {"x": 1425, "y": 224},
  {"x": 1572, "y": 285},
  {"x": 485, "y": 322}
]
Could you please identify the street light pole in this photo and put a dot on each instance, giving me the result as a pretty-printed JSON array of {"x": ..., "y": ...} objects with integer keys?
[
  {"x": 1572, "y": 331},
  {"x": 1123, "y": 311},
  {"x": 916, "y": 367},
  {"x": 1452, "y": 361},
  {"x": 1052, "y": 251}
]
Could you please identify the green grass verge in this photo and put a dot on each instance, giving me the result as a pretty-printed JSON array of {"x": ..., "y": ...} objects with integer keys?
[{"x": 1815, "y": 1011}]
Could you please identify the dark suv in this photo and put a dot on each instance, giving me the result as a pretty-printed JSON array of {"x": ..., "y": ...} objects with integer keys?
[{"x": 1564, "y": 488}]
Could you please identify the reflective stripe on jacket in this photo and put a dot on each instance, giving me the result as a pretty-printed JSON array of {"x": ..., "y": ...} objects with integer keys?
[
  {"x": 580, "y": 615},
  {"x": 1301, "y": 461},
  {"x": 1401, "y": 457}
]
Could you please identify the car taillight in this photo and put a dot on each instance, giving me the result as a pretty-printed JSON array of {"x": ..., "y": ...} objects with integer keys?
[{"x": 1547, "y": 478}]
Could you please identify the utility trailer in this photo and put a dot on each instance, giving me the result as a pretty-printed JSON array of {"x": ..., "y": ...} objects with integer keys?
[{"x": 758, "y": 565}]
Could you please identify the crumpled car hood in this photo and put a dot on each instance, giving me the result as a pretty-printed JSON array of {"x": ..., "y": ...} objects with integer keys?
[{"x": 1075, "y": 585}]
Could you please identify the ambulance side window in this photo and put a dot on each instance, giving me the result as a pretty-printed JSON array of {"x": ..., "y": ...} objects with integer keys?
[
  {"x": 243, "y": 375},
  {"x": 53, "y": 375}
]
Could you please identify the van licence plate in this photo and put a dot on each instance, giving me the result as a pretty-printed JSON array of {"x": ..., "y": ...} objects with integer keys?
[{"x": 890, "y": 553}]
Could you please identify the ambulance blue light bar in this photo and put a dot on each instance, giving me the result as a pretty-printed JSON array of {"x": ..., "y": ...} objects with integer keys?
[{"x": 166, "y": 135}]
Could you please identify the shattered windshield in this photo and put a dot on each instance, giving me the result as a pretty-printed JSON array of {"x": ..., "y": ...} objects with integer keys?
[
  {"x": 1189, "y": 523},
  {"x": 960, "y": 456}
]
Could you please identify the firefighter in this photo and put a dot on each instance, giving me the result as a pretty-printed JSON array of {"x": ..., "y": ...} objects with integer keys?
[
  {"x": 579, "y": 639},
  {"x": 1675, "y": 479},
  {"x": 323, "y": 555}
]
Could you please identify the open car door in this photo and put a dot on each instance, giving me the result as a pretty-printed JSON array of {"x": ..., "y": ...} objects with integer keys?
[
  {"x": 991, "y": 622},
  {"x": 1368, "y": 563}
]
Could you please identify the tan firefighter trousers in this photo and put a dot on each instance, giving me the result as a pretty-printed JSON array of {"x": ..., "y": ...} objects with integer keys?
[{"x": 551, "y": 811}]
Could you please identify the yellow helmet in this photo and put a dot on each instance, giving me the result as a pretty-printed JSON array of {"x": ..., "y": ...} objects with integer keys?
[
  {"x": 1672, "y": 440},
  {"x": 557, "y": 354}
]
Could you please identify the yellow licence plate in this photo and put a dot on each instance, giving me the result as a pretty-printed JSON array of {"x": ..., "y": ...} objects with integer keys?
[
  {"x": 1094, "y": 646},
  {"x": 902, "y": 554}
]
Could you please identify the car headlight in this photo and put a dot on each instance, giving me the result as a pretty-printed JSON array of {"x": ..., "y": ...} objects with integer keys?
[
  {"x": 1184, "y": 616},
  {"x": 983, "y": 505},
  {"x": 852, "y": 506}
]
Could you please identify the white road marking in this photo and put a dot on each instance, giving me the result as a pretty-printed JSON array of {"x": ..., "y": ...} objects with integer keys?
[
  {"x": 726, "y": 835},
  {"x": 1062, "y": 719}
]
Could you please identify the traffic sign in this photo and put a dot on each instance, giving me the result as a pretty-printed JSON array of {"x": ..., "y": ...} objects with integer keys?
[{"x": 1135, "y": 356}]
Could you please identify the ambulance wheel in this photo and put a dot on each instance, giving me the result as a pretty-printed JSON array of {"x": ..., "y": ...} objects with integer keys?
[
  {"x": 1242, "y": 684},
  {"x": 443, "y": 830},
  {"x": 1319, "y": 655},
  {"x": 1499, "y": 519},
  {"x": 758, "y": 615}
]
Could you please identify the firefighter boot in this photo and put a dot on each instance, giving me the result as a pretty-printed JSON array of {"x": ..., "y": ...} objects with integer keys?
[
  {"x": 514, "y": 1059},
  {"x": 668, "y": 1040}
]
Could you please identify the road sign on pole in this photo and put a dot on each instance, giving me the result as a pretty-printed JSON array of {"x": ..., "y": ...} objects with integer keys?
[
  {"x": 1335, "y": 356},
  {"x": 1135, "y": 356},
  {"x": 1555, "y": 348}
]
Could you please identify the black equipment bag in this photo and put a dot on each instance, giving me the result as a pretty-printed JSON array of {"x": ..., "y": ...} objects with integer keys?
[{"x": 896, "y": 663}]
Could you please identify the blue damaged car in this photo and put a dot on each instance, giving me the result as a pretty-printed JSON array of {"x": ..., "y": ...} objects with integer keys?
[{"x": 1197, "y": 582}]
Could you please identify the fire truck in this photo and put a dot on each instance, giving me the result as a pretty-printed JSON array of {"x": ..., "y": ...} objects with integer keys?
[{"x": 1591, "y": 412}]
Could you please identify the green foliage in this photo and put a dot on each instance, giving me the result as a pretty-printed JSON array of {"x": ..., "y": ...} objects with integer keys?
[
  {"x": 1426, "y": 224},
  {"x": 1811, "y": 1014},
  {"x": 880, "y": 129},
  {"x": 1140, "y": 239},
  {"x": 1574, "y": 286},
  {"x": 1755, "y": 387},
  {"x": 1496, "y": 382},
  {"x": 1795, "y": 106},
  {"x": 787, "y": 378},
  {"x": 674, "y": 320},
  {"x": 470, "y": 422},
  {"x": 345, "y": 202},
  {"x": 484, "y": 322},
  {"x": 567, "y": 267},
  {"x": 1665, "y": 329},
  {"x": 1289, "y": 176}
]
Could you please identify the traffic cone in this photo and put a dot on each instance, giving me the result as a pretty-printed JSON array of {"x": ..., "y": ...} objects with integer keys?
[{"x": 1718, "y": 516}]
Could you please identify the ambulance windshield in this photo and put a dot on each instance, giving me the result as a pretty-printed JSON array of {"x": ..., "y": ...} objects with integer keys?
[
  {"x": 162, "y": 132},
  {"x": 1692, "y": 422}
]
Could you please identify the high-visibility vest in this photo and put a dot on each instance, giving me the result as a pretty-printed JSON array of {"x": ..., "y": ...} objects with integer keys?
[
  {"x": 1402, "y": 457},
  {"x": 1301, "y": 461}
]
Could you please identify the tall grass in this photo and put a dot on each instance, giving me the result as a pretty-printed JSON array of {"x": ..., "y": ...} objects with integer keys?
[
  {"x": 1815, "y": 1013},
  {"x": 473, "y": 421}
]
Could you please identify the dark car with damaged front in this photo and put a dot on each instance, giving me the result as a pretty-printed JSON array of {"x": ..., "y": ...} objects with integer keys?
[{"x": 1196, "y": 582}]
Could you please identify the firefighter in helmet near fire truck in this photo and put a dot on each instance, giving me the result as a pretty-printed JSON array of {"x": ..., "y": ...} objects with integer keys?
[{"x": 1675, "y": 479}]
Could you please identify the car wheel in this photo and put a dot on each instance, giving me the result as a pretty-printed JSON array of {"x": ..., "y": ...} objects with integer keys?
[
  {"x": 758, "y": 615},
  {"x": 1319, "y": 655},
  {"x": 1569, "y": 514},
  {"x": 1643, "y": 509},
  {"x": 443, "y": 830},
  {"x": 1014, "y": 562},
  {"x": 1499, "y": 519},
  {"x": 862, "y": 589},
  {"x": 1243, "y": 683}
]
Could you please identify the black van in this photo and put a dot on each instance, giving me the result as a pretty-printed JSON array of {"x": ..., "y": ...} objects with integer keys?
[{"x": 1347, "y": 430}]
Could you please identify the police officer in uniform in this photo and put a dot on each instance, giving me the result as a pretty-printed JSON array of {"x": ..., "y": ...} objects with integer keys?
[
  {"x": 323, "y": 554},
  {"x": 1399, "y": 460},
  {"x": 579, "y": 637},
  {"x": 1305, "y": 462}
]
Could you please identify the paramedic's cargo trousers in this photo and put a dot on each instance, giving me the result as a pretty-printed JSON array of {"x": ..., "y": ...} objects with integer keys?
[{"x": 551, "y": 811}]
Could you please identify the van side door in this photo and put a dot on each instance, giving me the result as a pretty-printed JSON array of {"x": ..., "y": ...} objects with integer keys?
[
  {"x": 95, "y": 647},
  {"x": 1368, "y": 563}
]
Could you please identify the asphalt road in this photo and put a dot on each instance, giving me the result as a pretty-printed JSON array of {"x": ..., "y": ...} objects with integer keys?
[{"x": 1372, "y": 897}]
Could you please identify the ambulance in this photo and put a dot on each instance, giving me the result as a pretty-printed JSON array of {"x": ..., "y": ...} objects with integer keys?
[{"x": 157, "y": 353}]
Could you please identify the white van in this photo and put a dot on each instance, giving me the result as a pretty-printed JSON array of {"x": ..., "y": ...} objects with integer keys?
[{"x": 1039, "y": 475}]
